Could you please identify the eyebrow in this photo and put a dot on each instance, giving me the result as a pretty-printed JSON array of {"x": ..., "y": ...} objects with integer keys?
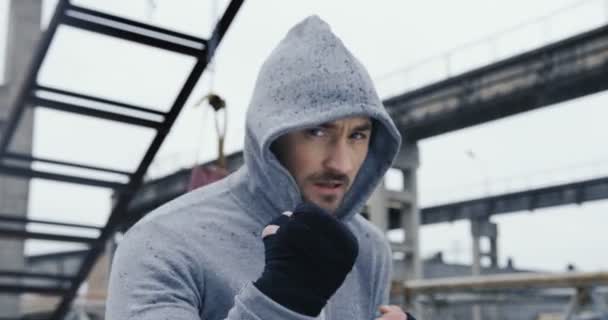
[{"x": 367, "y": 126}]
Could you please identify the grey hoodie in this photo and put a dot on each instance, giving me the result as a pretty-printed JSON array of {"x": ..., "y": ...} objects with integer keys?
[{"x": 197, "y": 256}]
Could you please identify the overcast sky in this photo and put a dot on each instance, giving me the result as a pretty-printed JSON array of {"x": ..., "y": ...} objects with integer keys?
[{"x": 560, "y": 143}]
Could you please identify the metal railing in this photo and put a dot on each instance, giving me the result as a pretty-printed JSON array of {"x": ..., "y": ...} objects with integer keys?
[{"x": 442, "y": 298}]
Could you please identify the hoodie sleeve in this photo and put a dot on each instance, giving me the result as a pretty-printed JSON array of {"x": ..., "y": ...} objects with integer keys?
[
  {"x": 154, "y": 277},
  {"x": 383, "y": 274},
  {"x": 252, "y": 304}
]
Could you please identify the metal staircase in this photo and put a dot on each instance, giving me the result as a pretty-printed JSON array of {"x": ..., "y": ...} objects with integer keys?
[{"x": 125, "y": 184}]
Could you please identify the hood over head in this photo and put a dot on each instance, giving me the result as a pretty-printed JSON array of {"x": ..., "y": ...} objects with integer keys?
[{"x": 311, "y": 78}]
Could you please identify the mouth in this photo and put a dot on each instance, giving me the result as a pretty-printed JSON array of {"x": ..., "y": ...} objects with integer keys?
[{"x": 329, "y": 187}]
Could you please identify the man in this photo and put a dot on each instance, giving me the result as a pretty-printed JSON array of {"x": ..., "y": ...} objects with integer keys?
[{"x": 281, "y": 238}]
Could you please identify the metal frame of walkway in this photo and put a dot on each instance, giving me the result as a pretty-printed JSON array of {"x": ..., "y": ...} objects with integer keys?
[
  {"x": 558, "y": 72},
  {"x": 31, "y": 94},
  {"x": 527, "y": 200}
]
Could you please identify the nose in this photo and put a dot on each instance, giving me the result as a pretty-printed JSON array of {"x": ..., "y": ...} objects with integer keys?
[{"x": 339, "y": 157}]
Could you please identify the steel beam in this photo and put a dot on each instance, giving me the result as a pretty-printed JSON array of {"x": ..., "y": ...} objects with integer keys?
[
  {"x": 35, "y": 275},
  {"x": 29, "y": 159},
  {"x": 122, "y": 105},
  {"x": 565, "y": 70},
  {"x": 141, "y": 27},
  {"x": 528, "y": 200},
  {"x": 19, "y": 289},
  {"x": 111, "y": 28},
  {"x": 22, "y": 220},
  {"x": 24, "y": 234},
  {"x": 91, "y": 112},
  {"x": 507, "y": 281},
  {"x": 30, "y": 173}
]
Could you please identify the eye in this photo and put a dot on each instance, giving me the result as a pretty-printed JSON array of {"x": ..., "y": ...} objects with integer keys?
[
  {"x": 359, "y": 136},
  {"x": 316, "y": 132}
]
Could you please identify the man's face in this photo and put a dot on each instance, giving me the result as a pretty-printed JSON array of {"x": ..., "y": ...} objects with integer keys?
[{"x": 324, "y": 160}]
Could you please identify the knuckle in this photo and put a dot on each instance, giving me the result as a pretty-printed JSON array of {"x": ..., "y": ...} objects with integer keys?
[{"x": 269, "y": 230}]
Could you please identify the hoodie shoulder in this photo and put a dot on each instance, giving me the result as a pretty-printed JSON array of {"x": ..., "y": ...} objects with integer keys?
[{"x": 202, "y": 200}]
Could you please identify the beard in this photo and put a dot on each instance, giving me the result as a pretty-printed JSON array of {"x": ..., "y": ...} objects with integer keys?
[{"x": 329, "y": 202}]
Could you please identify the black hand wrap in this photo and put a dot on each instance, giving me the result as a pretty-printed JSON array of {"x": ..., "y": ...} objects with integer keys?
[{"x": 307, "y": 259}]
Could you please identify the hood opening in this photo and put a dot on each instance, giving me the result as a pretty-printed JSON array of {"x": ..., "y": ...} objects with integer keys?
[{"x": 311, "y": 78}]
